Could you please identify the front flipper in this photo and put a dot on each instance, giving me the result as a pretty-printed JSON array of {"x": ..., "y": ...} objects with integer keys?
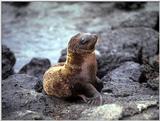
[
  {"x": 98, "y": 84},
  {"x": 88, "y": 93}
]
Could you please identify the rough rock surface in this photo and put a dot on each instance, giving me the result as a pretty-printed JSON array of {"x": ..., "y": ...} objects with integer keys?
[
  {"x": 153, "y": 83},
  {"x": 126, "y": 44},
  {"x": 140, "y": 19},
  {"x": 150, "y": 69},
  {"x": 8, "y": 61},
  {"x": 36, "y": 67},
  {"x": 122, "y": 111},
  {"x": 129, "y": 5},
  {"x": 124, "y": 81},
  {"x": 131, "y": 40},
  {"x": 105, "y": 112},
  {"x": 19, "y": 99}
]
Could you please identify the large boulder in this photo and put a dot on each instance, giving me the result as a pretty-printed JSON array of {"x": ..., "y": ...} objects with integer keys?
[
  {"x": 126, "y": 44},
  {"x": 131, "y": 40},
  {"x": 125, "y": 81},
  {"x": 110, "y": 60},
  {"x": 8, "y": 61},
  {"x": 36, "y": 67}
]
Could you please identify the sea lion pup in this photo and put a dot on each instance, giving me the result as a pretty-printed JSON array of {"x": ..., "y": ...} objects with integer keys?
[{"x": 77, "y": 76}]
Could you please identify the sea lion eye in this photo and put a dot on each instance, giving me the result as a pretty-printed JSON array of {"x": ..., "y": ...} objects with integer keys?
[{"x": 83, "y": 40}]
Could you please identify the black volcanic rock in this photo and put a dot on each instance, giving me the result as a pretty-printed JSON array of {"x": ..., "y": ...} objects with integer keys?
[
  {"x": 36, "y": 67},
  {"x": 8, "y": 61},
  {"x": 19, "y": 4},
  {"x": 19, "y": 97},
  {"x": 126, "y": 44},
  {"x": 124, "y": 81},
  {"x": 129, "y": 5}
]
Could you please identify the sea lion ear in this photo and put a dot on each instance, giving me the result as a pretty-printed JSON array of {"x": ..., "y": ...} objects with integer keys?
[
  {"x": 74, "y": 37},
  {"x": 77, "y": 35}
]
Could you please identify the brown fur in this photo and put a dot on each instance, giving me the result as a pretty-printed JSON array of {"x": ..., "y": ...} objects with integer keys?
[{"x": 72, "y": 77}]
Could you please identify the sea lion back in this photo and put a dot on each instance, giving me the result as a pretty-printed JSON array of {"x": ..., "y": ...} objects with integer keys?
[{"x": 54, "y": 81}]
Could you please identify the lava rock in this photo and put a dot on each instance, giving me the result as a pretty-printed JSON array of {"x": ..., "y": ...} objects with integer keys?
[
  {"x": 20, "y": 101},
  {"x": 26, "y": 115},
  {"x": 130, "y": 40},
  {"x": 140, "y": 110},
  {"x": 125, "y": 44},
  {"x": 8, "y": 61},
  {"x": 120, "y": 110},
  {"x": 105, "y": 112},
  {"x": 36, "y": 67},
  {"x": 153, "y": 83},
  {"x": 129, "y": 5},
  {"x": 112, "y": 59},
  {"x": 19, "y": 4},
  {"x": 140, "y": 19},
  {"x": 154, "y": 62},
  {"x": 124, "y": 81},
  {"x": 150, "y": 69},
  {"x": 150, "y": 114}
]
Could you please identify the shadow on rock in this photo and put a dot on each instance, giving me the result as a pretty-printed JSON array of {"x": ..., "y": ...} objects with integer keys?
[{"x": 8, "y": 61}]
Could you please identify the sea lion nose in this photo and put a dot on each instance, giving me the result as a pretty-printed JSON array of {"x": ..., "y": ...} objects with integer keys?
[{"x": 88, "y": 37}]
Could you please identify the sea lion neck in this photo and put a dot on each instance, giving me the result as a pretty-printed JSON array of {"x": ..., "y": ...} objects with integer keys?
[{"x": 75, "y": 59}]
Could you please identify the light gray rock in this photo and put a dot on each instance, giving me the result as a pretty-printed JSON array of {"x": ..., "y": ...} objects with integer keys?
[
  {"x": 105, "y": 112},
  {"x": 120, "y": 110}
]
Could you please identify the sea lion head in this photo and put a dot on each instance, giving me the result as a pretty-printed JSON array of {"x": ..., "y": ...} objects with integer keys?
[{"x": 82, "y": 43}]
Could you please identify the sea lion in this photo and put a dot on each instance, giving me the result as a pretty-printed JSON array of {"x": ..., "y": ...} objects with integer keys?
[{"x": 77, "y": 76}]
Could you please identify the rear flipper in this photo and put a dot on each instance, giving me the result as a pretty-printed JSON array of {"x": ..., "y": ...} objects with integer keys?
[{"x": 88, "y": 93}]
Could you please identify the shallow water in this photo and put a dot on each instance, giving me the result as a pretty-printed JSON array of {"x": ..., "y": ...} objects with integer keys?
[{"x": 43, "y": 29}]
